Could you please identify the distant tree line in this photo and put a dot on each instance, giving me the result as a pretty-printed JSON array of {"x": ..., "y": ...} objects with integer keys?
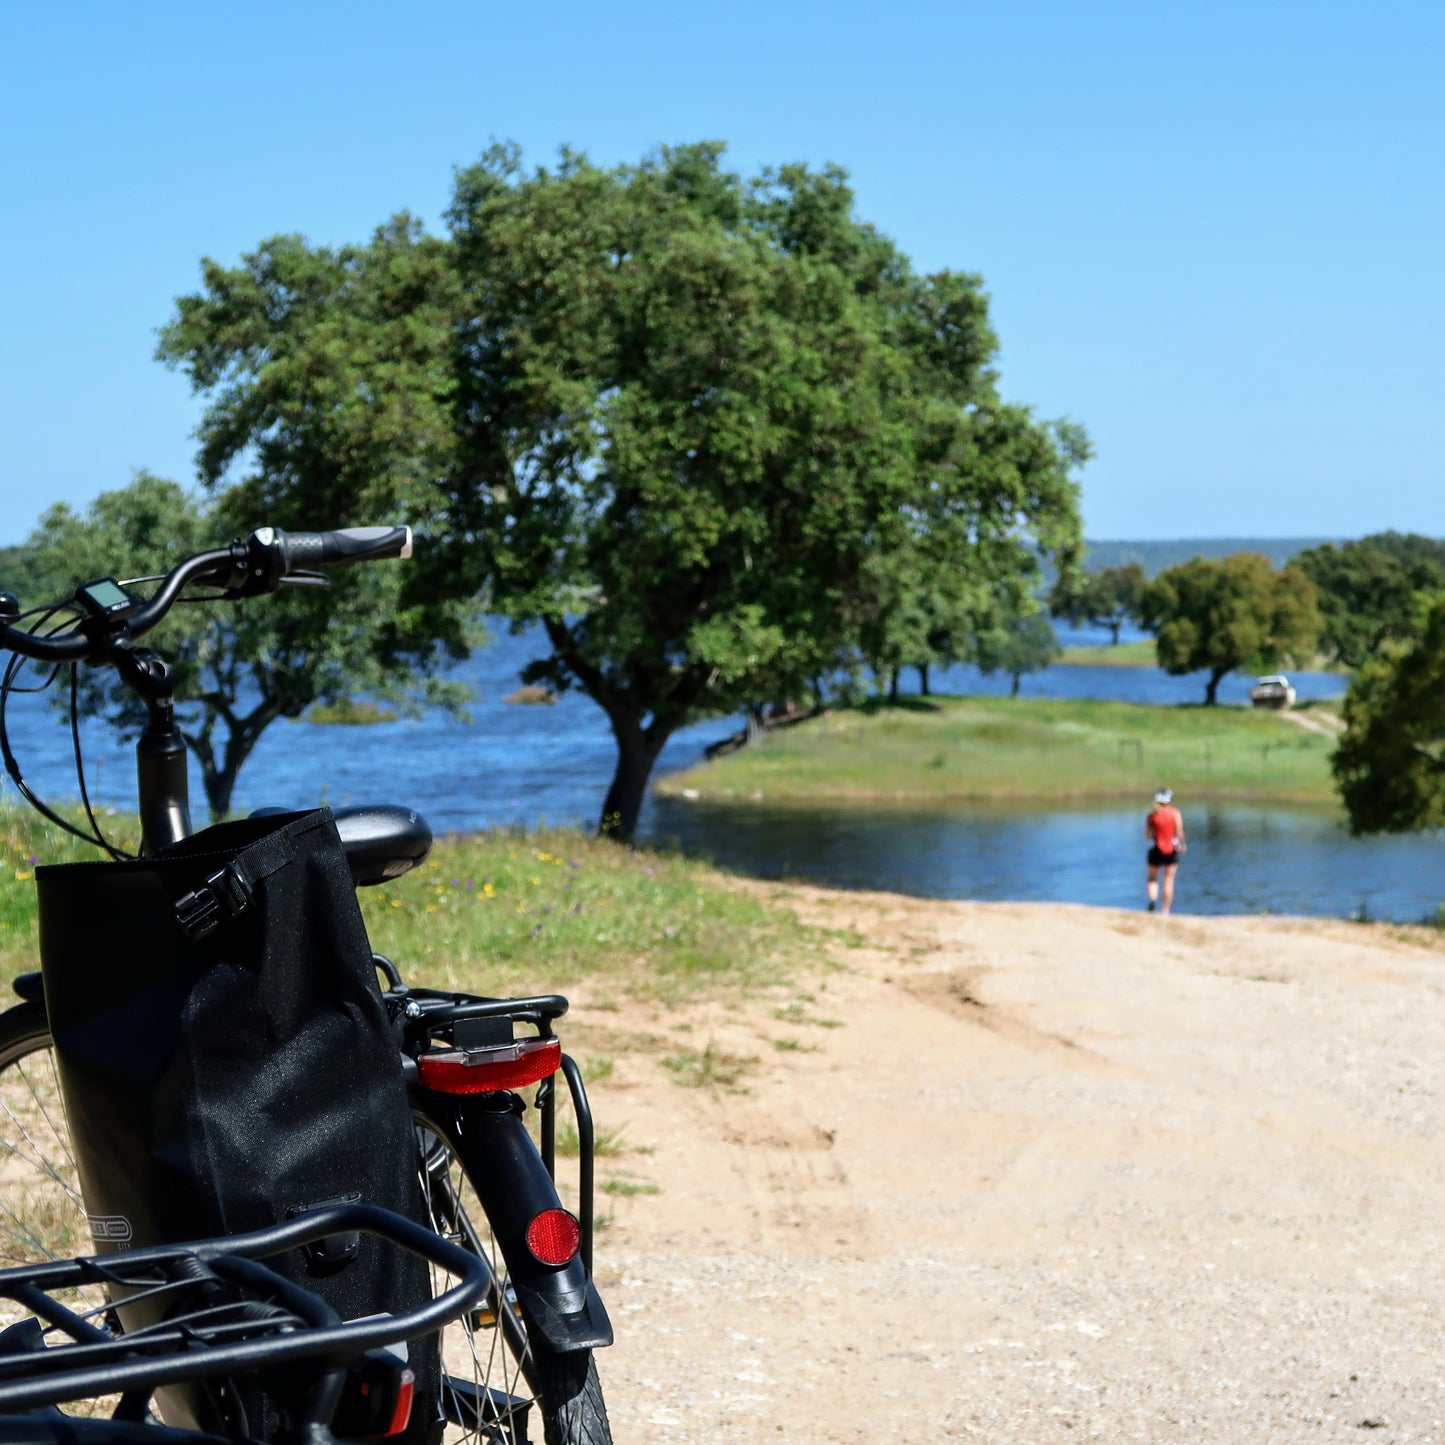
[{"x": 1344, "y": 602}]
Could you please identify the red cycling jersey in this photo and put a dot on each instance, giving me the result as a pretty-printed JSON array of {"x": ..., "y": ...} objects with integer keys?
[{"x": 1164, "y": 825}]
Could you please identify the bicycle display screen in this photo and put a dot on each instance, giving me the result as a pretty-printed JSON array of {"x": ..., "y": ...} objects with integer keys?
[{"x": 104, "y": 598}]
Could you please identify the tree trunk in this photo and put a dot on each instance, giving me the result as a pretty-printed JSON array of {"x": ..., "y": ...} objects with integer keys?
[
  {"x": 219, "y": 775},
  {"x": 1014, "y": 690},
  {"x": 1212, "y": 686},
  {"x": 923, "y": 678},
  {"x": 637, "y": 750},
  {"x": 893, "y": 684},
  {"x": 1114, "y": 633}
]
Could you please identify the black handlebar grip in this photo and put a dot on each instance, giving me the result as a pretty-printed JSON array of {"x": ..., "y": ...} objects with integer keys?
[{"x": 346, "y": 544}]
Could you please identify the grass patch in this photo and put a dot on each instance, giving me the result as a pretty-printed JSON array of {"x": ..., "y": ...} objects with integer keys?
[
  {"x": 606, "y": 1143},
  {"x": 1023, "y": 749},
  {"x": 513, "y": 911},
  {"x": 626, "y": 1188},
  {"x": 1139, "y": 653},
  {"x": 713, "y": 1068},
  {"x": 350, "y": 712},
  {"x": 508, "y": 912}
]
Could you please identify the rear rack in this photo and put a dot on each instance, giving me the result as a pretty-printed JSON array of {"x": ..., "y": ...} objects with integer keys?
[
  {"x": 468, "y": 1023},
  {"x": 264, "y": 1321}
]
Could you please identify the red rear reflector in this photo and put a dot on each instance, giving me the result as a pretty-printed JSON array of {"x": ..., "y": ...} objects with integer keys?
[
  {"x": 484, "y": 1071},
  {"x": 554, "y": 1237},
  {"x": 401, "y": 1415}
]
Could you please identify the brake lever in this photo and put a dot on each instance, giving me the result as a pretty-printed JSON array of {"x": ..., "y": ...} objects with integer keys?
[{"x": 307, "y": 579}]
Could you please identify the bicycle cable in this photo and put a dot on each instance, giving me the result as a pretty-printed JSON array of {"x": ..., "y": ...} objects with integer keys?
[
  {"x": 119, "y": 855},
  {"x": 12, "y": 764}
]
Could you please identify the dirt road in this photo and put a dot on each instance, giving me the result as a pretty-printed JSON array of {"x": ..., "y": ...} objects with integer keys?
[{"x": 1035, "y": 1174}]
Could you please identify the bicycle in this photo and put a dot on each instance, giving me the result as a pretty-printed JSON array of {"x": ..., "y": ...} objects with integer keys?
[
  {"x": 219, "y": 1312},
  {"x": 484, "y": 1180}
]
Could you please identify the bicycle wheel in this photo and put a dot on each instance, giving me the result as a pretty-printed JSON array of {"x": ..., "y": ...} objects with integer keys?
[
  {"x": 500, "y": 1382},
  {"x": 41, "y": 1213}
]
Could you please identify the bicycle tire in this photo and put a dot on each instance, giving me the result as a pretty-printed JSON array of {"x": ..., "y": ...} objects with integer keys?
[
  {"x": 42, "y": 1215},
  {"x": 562, "y": 1389}
]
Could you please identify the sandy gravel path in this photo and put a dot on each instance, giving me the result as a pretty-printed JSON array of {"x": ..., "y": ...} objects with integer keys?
[{"x": 1037, "y": 1174}]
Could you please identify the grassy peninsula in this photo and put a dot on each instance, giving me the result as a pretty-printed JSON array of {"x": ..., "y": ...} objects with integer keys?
[
  {"x": 954, "y": 749},
  {"x": 1139, "y": 653}
]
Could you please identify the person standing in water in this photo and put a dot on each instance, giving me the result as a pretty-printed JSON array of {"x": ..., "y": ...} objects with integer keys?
[{"x": 1164, "y": 828}]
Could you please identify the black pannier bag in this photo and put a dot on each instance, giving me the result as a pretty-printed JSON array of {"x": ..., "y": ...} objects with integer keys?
[{"x": 226, "y": 1061}]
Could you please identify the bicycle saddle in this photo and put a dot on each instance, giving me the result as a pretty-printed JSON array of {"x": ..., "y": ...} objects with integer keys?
[{"x": 382, "y": 840}]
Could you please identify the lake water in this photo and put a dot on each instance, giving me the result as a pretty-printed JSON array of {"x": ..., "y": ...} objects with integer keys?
[
  {"x": 512, "y": 764},
  {"x": 1241, "y": 858}
]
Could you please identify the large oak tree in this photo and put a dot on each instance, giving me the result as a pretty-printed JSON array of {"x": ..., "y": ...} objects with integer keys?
[
  {"x": 698, "y": 410},
  {"x": 675, "y": 415}
]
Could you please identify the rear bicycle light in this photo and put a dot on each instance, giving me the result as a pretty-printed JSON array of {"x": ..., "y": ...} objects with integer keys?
[
  {"x": 554, "y": 1237},
  {"x": 487, "y": 1070},
  {"x": 378, "y": 1399},
  {"x": 401, "y": 1411}
]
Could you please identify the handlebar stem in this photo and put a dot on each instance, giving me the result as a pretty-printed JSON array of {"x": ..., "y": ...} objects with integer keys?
[{"x": 162, "y": 779}]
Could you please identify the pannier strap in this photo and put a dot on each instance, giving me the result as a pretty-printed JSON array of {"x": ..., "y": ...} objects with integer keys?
[{"x": 227, "y": 892}]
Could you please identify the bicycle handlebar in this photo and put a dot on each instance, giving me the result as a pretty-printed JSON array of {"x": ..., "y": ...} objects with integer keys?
[
  {"x": 260, "y": 563},
  {"x": 347, "y": 544}
]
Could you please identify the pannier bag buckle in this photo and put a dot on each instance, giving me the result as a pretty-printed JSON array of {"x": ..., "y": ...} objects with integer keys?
[{"x": 218, "y": 900}]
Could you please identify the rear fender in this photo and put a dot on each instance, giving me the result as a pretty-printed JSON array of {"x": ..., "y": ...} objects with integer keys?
[{"x": 487, "y": 1134}]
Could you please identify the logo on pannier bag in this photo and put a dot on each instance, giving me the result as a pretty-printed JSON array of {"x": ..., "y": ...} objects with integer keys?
[{"x": 109, "y": 1228}]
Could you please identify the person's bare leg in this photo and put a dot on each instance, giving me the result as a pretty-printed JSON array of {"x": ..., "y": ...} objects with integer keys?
[
  {"x": 1153, "y": 887},
  {"x": 1168, "y": 888}
]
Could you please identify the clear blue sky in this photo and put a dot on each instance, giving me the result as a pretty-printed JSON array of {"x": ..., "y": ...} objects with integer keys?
[{"x": 1212, "y": 233}]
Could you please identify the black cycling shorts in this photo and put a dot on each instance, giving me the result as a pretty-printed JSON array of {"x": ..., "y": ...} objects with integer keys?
[{"x": 1162, "y": 860}]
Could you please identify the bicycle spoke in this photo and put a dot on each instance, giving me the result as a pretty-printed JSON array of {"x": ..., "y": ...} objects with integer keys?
[
  {"x": 62, "y": 1134},
  {"x": 498, "y": 1365},
  {"x": 42, "y": 1215},
  {"x": 37, "y": 1158}
]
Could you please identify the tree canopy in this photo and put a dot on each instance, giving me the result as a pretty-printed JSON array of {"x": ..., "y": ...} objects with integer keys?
[
  {"x": 1106, "y": 598},
  {"x": 1220, "y": 616},
  {"x": 693, "y": 423},
  {"x": 1390, "y": 762},
  {"x": 238, "y": 666},
  {"x": 1367, "y": 590}
]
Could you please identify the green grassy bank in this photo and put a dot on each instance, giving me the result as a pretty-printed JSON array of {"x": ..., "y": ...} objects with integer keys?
[
  {"x": 510, "y": 912},
  {"x": 1022, "y": 749},
  {"x": 1123, "y": 654},
  {"x": 1142, "y": 653}
]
